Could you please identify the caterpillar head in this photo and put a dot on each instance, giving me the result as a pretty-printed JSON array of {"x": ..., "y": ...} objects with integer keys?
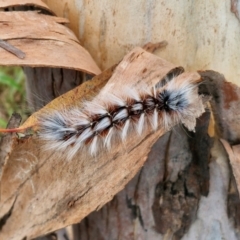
[{"x": 171, "y": 100}]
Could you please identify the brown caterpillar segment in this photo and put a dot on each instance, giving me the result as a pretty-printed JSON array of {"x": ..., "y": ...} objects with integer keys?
[{"x": 118, "y": 114}]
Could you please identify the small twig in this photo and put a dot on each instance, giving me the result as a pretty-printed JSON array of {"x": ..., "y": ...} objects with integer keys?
[{"x": 10, "y": 48}]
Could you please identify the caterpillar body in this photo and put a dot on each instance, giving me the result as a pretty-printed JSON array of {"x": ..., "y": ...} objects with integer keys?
[{"x": 110, "y": 116}]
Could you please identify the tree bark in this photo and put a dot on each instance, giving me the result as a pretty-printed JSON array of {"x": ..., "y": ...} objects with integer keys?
[{"x": 186, "y": 189}]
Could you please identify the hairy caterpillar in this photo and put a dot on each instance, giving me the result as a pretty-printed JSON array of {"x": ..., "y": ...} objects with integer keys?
[{"x": 111, "y": 117}]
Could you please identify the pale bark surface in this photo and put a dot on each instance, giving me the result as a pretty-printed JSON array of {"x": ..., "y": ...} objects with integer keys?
[{"x": 201, "y": 34}]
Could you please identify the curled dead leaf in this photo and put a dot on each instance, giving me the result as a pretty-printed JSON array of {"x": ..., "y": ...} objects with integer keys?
[
  {"x": 16, "y": 3},
  {"x": 44, "y": 182},
  {"x": 38, "y": 36}
]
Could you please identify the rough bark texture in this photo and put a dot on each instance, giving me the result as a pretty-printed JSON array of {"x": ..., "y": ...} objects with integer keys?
[
  {"x": 163, "y": 198},
  {"x": 45, "y": 84},
  {"x": 225, "y": 107}
]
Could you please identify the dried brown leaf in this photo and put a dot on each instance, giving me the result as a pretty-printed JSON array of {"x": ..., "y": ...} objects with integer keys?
[
  {"x": 17, "y": 3},
  {"x": 44, "y": 40},
  {"x": 6, "y": 141},
  {"x": 47, "y": 192}
]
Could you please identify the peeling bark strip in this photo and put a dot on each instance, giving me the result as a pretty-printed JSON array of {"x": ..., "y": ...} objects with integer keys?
[
  {"x": 234, "y": 185},
  {"x": 225, "y": 105},
  {"x": 136, "y": 211},
  {"x": 177, "y": 197},
  {"x": 235, "y": 8}
]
